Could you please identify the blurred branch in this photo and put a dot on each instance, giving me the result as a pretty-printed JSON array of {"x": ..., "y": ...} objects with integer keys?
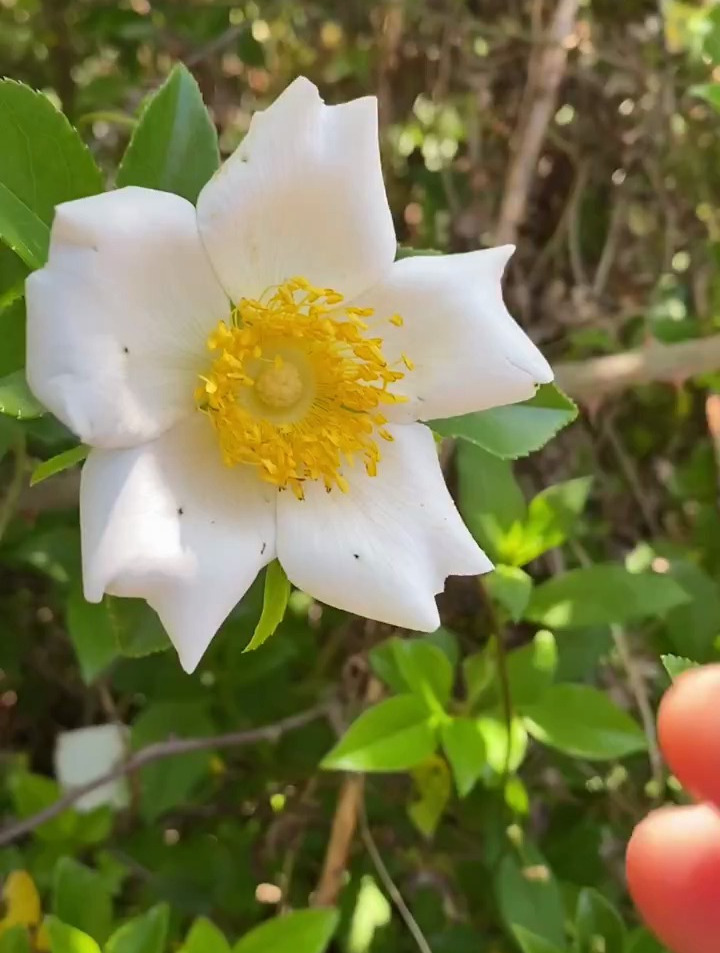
[
  {"x": 389, "y": 884},
  {"x": 345, "y": 819},
  {"x": 600, "y": 377},
  {"x": 160, "y": 751},
  {"x": 541, "y": 96}
]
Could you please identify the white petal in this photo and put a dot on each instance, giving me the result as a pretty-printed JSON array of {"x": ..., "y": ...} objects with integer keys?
[
  {"x": 119, "y": 317},
  {"x": 383, "y": 549},
  {"x": 468, "y": 352},
  {"x": 87, "y": 754},
  {"x": 169, "y": 523},
  {"x": 302, "y": 195}
]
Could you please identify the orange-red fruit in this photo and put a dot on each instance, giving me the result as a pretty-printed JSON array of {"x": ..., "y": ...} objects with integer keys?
[
  {"x": 689, "y": 731},
  {"x": 673, "y": 870}
]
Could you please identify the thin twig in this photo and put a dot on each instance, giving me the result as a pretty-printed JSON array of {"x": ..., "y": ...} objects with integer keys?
[
  {"x": 543, "y": 85},
  {"x": 158, "y": 752},
  {"x": 389, "y": 884},
  {"x": 637, "y": 686}
]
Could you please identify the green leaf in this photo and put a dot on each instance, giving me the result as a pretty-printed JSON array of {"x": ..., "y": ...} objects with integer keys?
[
  {"x": 491, "y": 502},
  {"x": 598, "y": 924},
  {"x": 15, "y": 940},
  {"x": 433, "y": 787},
  {"x": 91, "y": 633},
  {"x": 43, "y": 162},
  {"x": 32, "y": 793},
  {"x": 16, "y": 398},
  {"x": 305, "y": 931},
  {"x": 68, "y": 939},
  {"x": 511, "y": 588},
  {"x": 675, "y": 665},
  {"x": 642, "y": 942},
  {"x": 582, "y": 722},
  {"x": 166, "y": 784},
  {"x": 275, "y": 600},
  {"x": 603, "y": 594},
  {"x": 529, "y": 896},
  {"x": 530, "y": 671},
  {"x": 710, "y": 92},
  {"x": 174, "y": 145},
  {"x": 552, "y": 516},
  {"x": 80, "y": 899},
  {"x": 404, "y": 251},
  {"x": 405, "y": 663},
  {"x": 465, "y": 750},
  {"x": 143, "y": 934},
  {"x": 532, "y": 943},
  {"x": 395, "y": 735},
  {"x": 12, "y": 334},
  {"x": 138, "y": 631},
  {"x": 495, "y": 736},
  {"x": 58, "y": 463},
  {"x": 205, "y": 937},
  {"x": 516, "y": 430},
  {"x": 531, "y": 668},
  {"x": 693, "y": 627},
  {"x": 425, "y": 669}
]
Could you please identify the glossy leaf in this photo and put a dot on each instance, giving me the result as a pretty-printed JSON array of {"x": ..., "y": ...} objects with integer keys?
[
  {"x": 597, "y": 922},
  {"x": 464, "y": 748},
  {"x": 43, "y": 162},
  {"x": 603, "y": 594},
  {"x": 174, "y": 145},
  {"x": 91, "y": 633},
  {"x": 275, "y": 601},
  {"x": 517, "y": 430},
  {"x": 205, "y": 937},
  {"x": 490, "y": 501},
  {"x": 144, "y": 934},
  {"x": 511, "y": 587},
  {"x": 62, "y": 461},
  {"x": 68, "y": 939},
  {"x": 304, "y": 931},
  {"x": 582, "y": 721},
  {"x": 16, "y": 398},
  {"x": 395, "y": 735},
  {"x": 138, "y": 631},
  {"x": 81, "y": 899},
  {"x": 675, "y": 665},
  {"x": 529, "y": 896}
]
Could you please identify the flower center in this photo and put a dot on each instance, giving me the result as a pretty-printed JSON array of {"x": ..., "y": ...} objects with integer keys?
[
  {"x": 296, "y": 386},
  {"x": 279, "y": 386}
]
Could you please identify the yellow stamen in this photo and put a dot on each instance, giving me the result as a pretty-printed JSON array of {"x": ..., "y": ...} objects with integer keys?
[{"x": 296, "y": 386}]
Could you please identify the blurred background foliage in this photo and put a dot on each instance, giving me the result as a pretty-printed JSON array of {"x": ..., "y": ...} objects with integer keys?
[{"x": 608, "y": 540}]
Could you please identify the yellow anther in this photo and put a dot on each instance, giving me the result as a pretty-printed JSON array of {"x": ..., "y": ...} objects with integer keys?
[
  {"x": 295, "y": 386},
  {"x": 397, "y": 320}
]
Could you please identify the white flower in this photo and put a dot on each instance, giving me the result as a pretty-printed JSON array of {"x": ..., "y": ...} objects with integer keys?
[
  {"x": 86, "y": 754},
  {"x": 250, "y": 375}
]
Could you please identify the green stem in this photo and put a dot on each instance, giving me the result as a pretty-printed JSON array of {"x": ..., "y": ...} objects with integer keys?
[{"x": 17, "y": 482}]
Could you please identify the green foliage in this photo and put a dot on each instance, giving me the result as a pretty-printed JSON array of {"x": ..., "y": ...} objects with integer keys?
[
  {"x": 477, "y": 752},
  {"x": 601, "y": 595},
  {"x": 582, "y": 722},
  {"x": 174, "y": 144},
  {"x": 58, "y": 463},
  {"x": 515, "y": 431},
  {"x": 44, "y": 162},
  {"x": 275, "y": 600},
  {"x": 306, "y": 931},
  {"x": 16, "y": 399},
  {"x": 395, "y": 735}
]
